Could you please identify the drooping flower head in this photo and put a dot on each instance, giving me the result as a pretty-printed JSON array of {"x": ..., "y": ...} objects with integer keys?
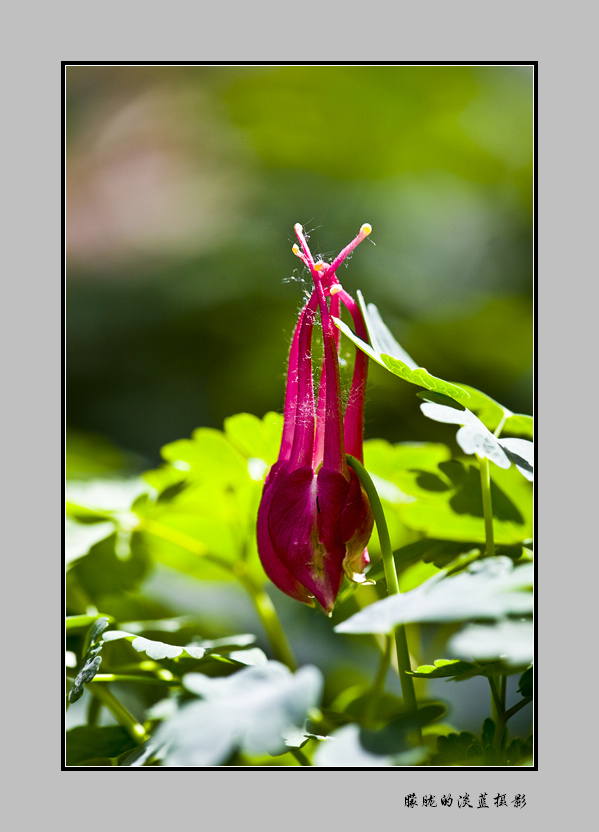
[{"x": 314, "y": 519}]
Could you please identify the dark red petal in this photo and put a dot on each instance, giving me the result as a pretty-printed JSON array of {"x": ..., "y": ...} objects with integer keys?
[
  {"x": 276, "y": 570},
  {"x": 303, "y": 537},
  {"x": 356, "y": 521},
  {"x": 356, "y": 524}
]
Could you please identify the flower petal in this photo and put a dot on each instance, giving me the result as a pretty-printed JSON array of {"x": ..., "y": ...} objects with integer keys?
[{"x": 274, "y": 567}]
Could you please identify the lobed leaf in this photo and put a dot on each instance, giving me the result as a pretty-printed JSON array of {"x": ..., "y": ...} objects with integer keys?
[
  {"x": 474, "y": 438},
  {"x": 386, "y": 351},
  {"x": 486, "y": 589},
  {"x": 447, "y": 503},
  {"x": 399, "y": 367},
  {"x": 253, "y": 710}
]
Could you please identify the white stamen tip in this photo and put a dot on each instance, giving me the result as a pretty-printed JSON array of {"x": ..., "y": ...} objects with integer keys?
[
  {"x": 336, "y": 288},
  {"x": 366, "y": 229}
]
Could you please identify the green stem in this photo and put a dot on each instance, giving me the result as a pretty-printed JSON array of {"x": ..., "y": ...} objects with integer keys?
[
  {"x": 518, "y": 706},
  {"x": 379, "y": 682},
  {"x": 499, "y": 427},
  {"x": 263, "y": 604},
  {"x": 301, "y": 757},
  {"x": 495, "y": 699},
  {"x": 401, "y": 642},
  {"x": 120, "y": 713},
  {"x": 498, "y": 711},
  {"x": 124, "y": 677},
  {"x": 268, "y": 616},
  {"x": 485, "y": 482}
]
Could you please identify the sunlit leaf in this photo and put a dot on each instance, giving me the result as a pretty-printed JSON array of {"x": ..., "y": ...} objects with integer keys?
[
  {"x": 380, "y": 336},
  {"x": 474, "y": 438},
  {"x": 443, "y": 669},
  {"x": 254, "y": 437},
  {"x": 521, "y": 452},
  {"x": 448, "y": 505},
  {"x": 208, "y": 457},
  {"x": 398, "y": 367},
  {"x": 487, "y": 589},
  {"x": 155, "y": 649},
  {"x": 491, "y": 413}
]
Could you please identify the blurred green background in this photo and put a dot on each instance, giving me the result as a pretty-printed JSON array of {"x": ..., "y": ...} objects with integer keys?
[{"x": 183, "y": 184}]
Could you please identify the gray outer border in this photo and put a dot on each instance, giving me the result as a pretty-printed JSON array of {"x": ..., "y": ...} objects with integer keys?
[{"x": 560, "y": 790}]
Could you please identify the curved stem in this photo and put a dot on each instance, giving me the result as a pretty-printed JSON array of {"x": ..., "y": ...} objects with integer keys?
[
  {"x": 120, "y": 713},
  {"x": 269, "y": 618},
  {"x": 301, "y": 757},
  {"x": 263, "y": 604},
  {"x": 499, "y": 427},
  {"x": 485, "y": 482},
  {"x": 399, "y": 634}
]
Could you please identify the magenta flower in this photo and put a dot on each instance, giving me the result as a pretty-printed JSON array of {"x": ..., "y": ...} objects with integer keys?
[{"x": 314, "y": 519}]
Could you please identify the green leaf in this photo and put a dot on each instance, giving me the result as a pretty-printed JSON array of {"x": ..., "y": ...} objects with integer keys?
[
  {"x": 235, "y": 648},
  {"x": 386, "y": 351},
  {"x": 491, "y": 413},
  {"x": 447, "y": 503},
  {"x": 155, "y": 649},
  {"x": 403, "y": 370},
  {"x": 432, "y": 550},
  {"x": 458, "y": 671},
  {"x": 443, "y": 553},
  {"x": 253, "y": 710},
  {"x": 526, "y": 685},
  {"x": 423, "y": 378},
  {"x": 380, "y": 336},
  {"x": 487, "y": 589},
  {"x": 519, "y": 424},
  {"x": 207, "y": 457},
  {"x": 388, "y": 465},
  {"x": 443, "y": 669},
  {"x": 204, "y": 521},
  {"x": 256, "y": 438},
  {"x": 85, "y": 744},
  {"x": 83, "y": 622},
  {"x": 105, "y": 572}
]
